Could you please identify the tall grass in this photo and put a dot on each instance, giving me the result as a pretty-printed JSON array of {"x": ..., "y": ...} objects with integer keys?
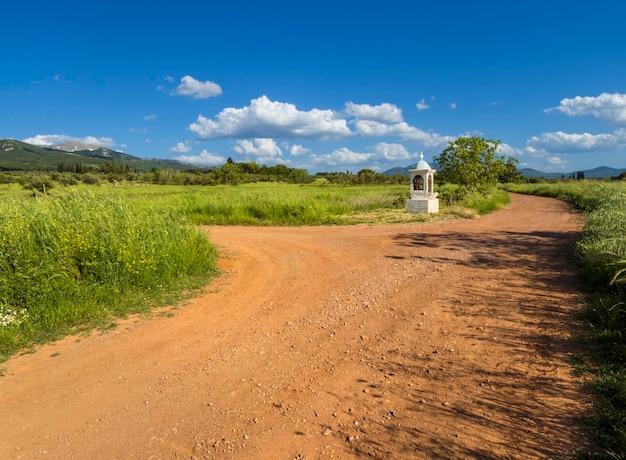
[
  {"x": 80, "y": 258},
  {"x": 284, "y": 204},
  {"x": 265, "y": 203},
  {"x": 601, "y": 251},
  {"x": 289, "y": 204},
  {"x": 484, "y": 203}
]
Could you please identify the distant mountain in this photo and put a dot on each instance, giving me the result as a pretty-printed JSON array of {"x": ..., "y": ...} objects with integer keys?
[
  {"x": 533, "y": 173},
  {"x": 404, "y": 170},
  {"x": 602, "y": 172},
  {"x": 20, "y": 156}
]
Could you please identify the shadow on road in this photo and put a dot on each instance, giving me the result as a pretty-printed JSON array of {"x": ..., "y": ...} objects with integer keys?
[{"x": 518, "y": 293}]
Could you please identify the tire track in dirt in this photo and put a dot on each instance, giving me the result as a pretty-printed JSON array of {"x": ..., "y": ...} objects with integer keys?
[{"x": 439, "y": 340}]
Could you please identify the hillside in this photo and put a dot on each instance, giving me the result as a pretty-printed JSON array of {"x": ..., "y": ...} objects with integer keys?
[{"x": 20, "y": 156}]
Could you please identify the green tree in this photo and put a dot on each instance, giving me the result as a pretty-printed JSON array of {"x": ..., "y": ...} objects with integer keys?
[
  {"x": 366, "y": 176},
  {"x": 473, "y": 163},
  {"x": 511, "y": 173}
]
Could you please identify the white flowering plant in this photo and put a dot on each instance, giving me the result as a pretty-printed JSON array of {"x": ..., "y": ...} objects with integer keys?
[{"x": 10, "y": 316}]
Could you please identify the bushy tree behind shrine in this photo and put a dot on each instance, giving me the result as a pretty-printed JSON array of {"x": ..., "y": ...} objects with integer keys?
[{"x": 473, "y": 163}]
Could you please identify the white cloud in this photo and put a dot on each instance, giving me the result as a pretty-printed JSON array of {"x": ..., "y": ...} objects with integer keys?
[
  {"x": 196, "y": 89},
  {"x": 408, "y": 133},
  {"x": 560, "y": 142},
  {"x": 99, "y": 141},
  {"x": 48, "y": 140},
  {"x": 181, "y": 147},
  {"x": 369, "y": 128},
  {"x": 298, "y": 150},
  {"x": 556, "y": 161},
  {"x": 607, "y": 107},
  {"x": 383, "y": 113},
  {"x": 507, "y": 150},
  {"x": 150, "y": 117},
  {"x": 205, "y": 158},
  {"x": 421, "y": 105},
  {"x": 453, "y": 105},
  {"x": 342, "y": 157},
  {"x": 264, "y": 149},
  {"x": 392, "y": 152},
  {"x": 264, "y": 118}
]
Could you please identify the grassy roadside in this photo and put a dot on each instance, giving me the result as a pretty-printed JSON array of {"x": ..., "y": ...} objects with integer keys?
[
  {"x": 601, "y": 252},
  {"x": 83, "y": 259}
]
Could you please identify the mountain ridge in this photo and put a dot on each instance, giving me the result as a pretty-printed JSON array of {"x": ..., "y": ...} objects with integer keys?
[
  {"x": 21, "y": 156},
  {"x": 600, "y": 172}
]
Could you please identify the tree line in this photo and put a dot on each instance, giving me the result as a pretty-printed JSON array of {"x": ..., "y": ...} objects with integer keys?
[{"x": 230, "y": 173}]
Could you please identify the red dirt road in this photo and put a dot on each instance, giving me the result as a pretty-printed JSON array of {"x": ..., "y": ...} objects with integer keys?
[{"x": 435, "y": 341}]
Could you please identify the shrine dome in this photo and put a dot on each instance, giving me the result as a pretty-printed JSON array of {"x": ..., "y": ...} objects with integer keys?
[{"x": 423, "y": 165}]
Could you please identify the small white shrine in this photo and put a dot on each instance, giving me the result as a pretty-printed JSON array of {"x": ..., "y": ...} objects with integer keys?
[{"x": 423, "y": 197}]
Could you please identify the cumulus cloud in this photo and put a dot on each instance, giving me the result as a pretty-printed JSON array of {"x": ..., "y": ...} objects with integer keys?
[
  {"x": 368, "y": 128},
  {"x": 265, "y": 150},
  {"x": 298, "y": 150},
  {"x": 150, "y": 117},
  {"x": 385, "y": 112},
  {"x": 556, "y": 161},
  {"x": 560, "y": 142},
  {"x": 392, "y": 152},
  {"x": 421, "y": 105},
  {"x": 48, "y": 140},
  {"x": 342, "y": 157},
  {"x": 507, "y": 150},
  {"x": 205, "y": 158},
  {"x": 607, "y": 107},
  {"x": 181, "y": 147},
  {"x": 264, "y": 118},
  {"x": 453, "y": 105},
  {"x": 196, "y": 89}
]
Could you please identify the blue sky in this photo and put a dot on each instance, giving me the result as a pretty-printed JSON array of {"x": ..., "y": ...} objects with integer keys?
[{"x": 324, "y": 85}]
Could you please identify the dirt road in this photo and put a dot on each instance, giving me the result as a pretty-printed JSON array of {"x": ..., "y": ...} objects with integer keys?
[{"x": 436, "y": 341}]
